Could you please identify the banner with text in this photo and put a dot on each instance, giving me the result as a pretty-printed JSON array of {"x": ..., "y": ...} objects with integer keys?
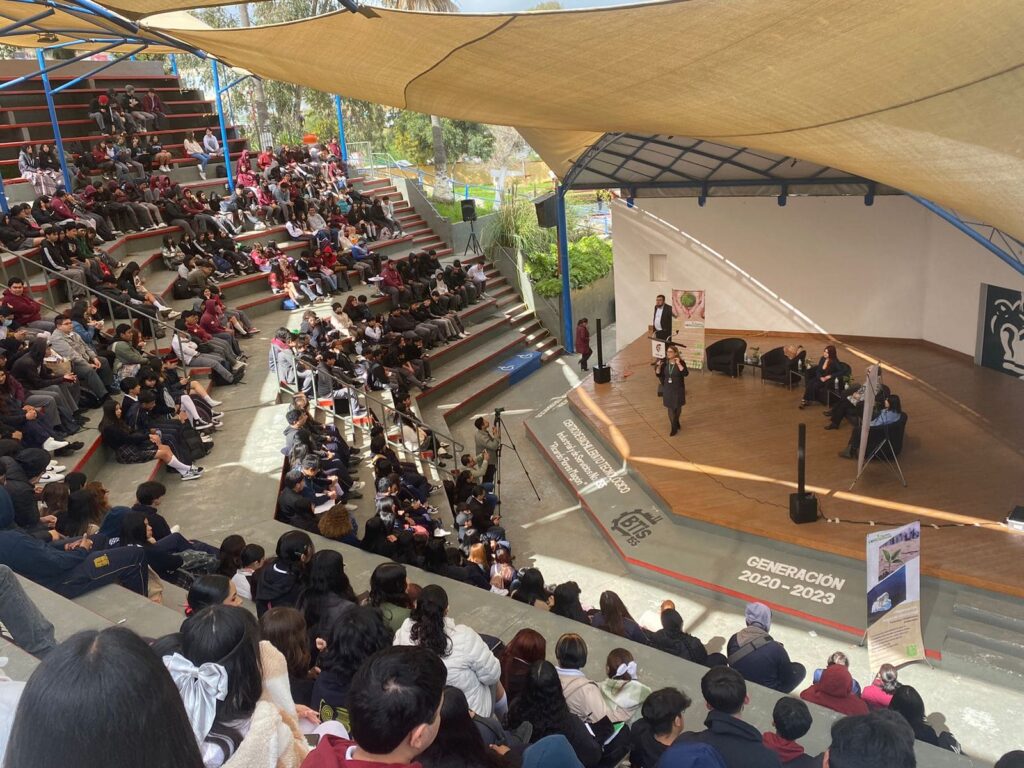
[
  {"x": 688, "y": 325},
  {"x": 894, "y": 596}
]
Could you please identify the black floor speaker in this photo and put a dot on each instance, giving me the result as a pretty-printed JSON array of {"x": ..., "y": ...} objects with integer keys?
[
  {"x": 803, "y": 508},
  {"x": 602, "y": 374}
]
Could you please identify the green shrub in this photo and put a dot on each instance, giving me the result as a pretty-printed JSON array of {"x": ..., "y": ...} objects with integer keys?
[
  {"x": 452, "y": 210},
  {"x": 590, "y": 258}
]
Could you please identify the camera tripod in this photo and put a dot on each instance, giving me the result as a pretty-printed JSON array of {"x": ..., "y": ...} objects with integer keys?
[{"x": 498, "y": 426}]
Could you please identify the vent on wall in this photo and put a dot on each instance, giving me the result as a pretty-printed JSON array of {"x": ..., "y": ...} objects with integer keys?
[{"x": 659, "y": 267}]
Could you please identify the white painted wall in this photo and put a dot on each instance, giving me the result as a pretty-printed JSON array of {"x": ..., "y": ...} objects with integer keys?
[{"x": 820, "y": 264}]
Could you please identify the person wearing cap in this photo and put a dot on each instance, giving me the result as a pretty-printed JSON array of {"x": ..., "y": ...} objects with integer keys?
[
  {"x": 761, "y": 659},
  {"x": 98, "y": 111}
]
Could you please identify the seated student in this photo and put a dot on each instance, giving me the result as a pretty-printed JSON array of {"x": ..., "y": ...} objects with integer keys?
[
  {"x": 236, "y": 717},
  {"x": 285, "y": 629},
  {"x": 388, "y": 593},
  {"x": 293, "y": 507},
  {"x": 792, "y": 720},
  {"x": 173, "y": 558},
  {"x": 328, "y": 594},
  {"x": 738, "y": 742},
  {"x": 838, "y": 657},
  {"x": 879, "y": 693},
  {"x": 210, "y": 589},
  {"x": 760, "y": 659},
  {"x": 623, "y": 688},
  {"x": 835, "y": 691},
  {"x": 879, "y": 739},
  {"x": 347, "y": 645},
  {"x": 908, "y": 703},
  {"x": 614, "y": 617},
  {"x": 543, "y": 706},
  {"x": 471, "y": 667},
  {"x": 281, "y": 580},
  {"x": 251, "y": 559},
  {"x": 582, "y": 695},
  {"x": 394, "y": 711},
  {"x": 659, "y": 726},
  {"x": 114, "y": 666},
  {"x": 672, "y": 639}
]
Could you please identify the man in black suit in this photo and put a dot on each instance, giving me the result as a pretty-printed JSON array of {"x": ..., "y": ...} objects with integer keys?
[{"x": 662, "y": 322}]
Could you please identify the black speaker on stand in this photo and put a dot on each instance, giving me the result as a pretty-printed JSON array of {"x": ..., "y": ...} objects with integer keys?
[
  {"x": 803, "y": 506},
  {"x": 547, "y": 210},
  {"x": 468, "y": 208},
  {"x": 469, "y": 214},
  {"x": 602, "y": 372}
]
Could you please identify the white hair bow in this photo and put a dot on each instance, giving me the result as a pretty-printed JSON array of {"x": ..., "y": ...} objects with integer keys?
[
  {"x": 200, "y": 688},
  {"x": 629, "y": 669}
]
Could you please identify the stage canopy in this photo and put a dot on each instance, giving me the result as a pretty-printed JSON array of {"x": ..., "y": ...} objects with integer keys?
[{"x": 921, "y": 96}]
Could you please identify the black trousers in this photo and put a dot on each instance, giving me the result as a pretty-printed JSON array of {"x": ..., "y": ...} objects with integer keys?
[
  {"x": 584, "y": 356},
  {"x": 663, "y": 335}
]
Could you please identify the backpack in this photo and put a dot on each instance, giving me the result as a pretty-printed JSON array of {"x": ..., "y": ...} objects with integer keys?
[
  {"x": 289, "y": 305},
  {"x": 180, "y": 289}
]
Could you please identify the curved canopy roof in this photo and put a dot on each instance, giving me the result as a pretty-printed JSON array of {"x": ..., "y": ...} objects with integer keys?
[
  {"x": 677, "y": 165},
  {"x": 922, "y": 96}
]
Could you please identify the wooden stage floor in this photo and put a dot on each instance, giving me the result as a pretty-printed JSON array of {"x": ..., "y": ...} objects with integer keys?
[{"x": 734, "y": 462}]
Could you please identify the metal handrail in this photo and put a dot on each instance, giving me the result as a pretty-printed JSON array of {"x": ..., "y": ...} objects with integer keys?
[
  {"x": 356, "y": 388},
  {"x": 133, "y": 313}
]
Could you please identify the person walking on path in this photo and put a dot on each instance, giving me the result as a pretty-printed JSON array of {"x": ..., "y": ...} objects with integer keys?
[{"x": 583, "y": 343}]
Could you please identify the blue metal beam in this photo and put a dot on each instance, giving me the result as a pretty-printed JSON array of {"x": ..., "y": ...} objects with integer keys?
[
  {"x": 27, "y": 22},
  {"x": 45, "y": 70},
  {"x": 341, "y": 128},
  {"x": 219, "y": 92},
  {"x": 4, "y": 207},
  {"x": 969, "y": 229},
  {"x": 105, "y": 65},
  {"x": 174, "y": 64},
  {"x": 568, "y": 337},
  {"x": 234, "y": 82},
  {"x": 58, "y": 142}
]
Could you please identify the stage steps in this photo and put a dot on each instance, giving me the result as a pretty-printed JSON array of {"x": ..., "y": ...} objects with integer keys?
[{"x": 985, "y": 634}]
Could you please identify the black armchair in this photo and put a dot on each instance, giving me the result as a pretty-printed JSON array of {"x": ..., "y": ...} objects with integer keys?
[
  {"x": 894, "y": 433},
  {"x": 726, "y": 356},
  {"x": 778, "y": 367}
]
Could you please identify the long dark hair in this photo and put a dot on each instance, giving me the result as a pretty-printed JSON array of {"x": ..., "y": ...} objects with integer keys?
[
  {"x": 110, "y": 418},
  {"x": 567, "y": 602},
  {"x": 908, "y": 702},
  {"x": 428, "y": 621},
  {"x": 387, "y": 585},
  {"x": 291, "y": 548},
  {"x": 542, "y": 703},
  {"x": 231, "y": 555},
  {"x": 114, "y": 667},
  {"x": 208, "y": 589},
  {"x": 526, "y": 648},
  {"x": 894, "y": 404},
  {"x": 615, "y": 613},
  {"x": 133, "y": 529},
  {"x": 459, "y": 743},
  {"x": 228, "y": 636},
  {"x": 285, "y": 629},
  {"x": 531, "y": 587},
  {"x": 326, "y": 577}
]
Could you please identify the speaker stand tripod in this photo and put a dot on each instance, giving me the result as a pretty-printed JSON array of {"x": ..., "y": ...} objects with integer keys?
[{"x": 473, "y": 244}]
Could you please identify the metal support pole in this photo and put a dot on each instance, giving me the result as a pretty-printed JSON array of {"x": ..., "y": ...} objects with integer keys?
[
  {"x": 972, "y": 233},
  {"x": 568, "y": 339},
  {"x": 27, "y": 22},
  {"x": 57, "y": 141},
  {"x": 223, "y": 125},
  {"x": 174, "y": 64},
  {"x": 341, "y": 128}
]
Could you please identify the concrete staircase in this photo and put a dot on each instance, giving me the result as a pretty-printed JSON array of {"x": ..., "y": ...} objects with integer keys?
[{"x": 985, "y": 637}]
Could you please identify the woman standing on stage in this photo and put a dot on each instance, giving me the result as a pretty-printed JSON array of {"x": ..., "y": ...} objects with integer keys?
[
  {"x": 583, "y": 342},
  {"x": 672, "y": 371}
]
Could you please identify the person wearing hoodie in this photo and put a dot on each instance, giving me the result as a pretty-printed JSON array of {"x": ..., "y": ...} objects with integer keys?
[
  {"x": 739, "y": 743},
  {"x": 691, "y": 755},
  {"x": 759, "y": 658},
  {"x": 659, "y": 726},
  {"x": 23, "y": 471},
  {"x": 792, "y": 720},
  {"x": 835, "y": 691},
  {"x": 672, "y": 639},
  {"x": 623, "y": 688},
  {"x": 280, "y": 581},
  {"x": 395, "y": 712}
]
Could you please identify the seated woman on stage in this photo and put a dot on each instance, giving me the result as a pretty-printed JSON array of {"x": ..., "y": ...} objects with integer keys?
[
  {"x": 821, "y": 376},
  {"x": 890, "y": 414}
]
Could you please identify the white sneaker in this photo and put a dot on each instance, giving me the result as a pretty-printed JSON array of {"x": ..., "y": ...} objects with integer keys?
[
  {"x": 213, "y": 403},
  {"x": 358, "y": 485},
  {"x": 259, "y": 227},
  {"x": 53, "y": 466},
  {"x": 440, "y": 533},
  {"x": 239, "y": 364},
  {"x": 202, "y": 174},
  {"x": 207, "y": 439},
  {"x": 193, "y": 474},
  {"x": 351, "y": 507},
  {"x": 173, "y": 314},
  {"x": 53, "y": 444},
  {"x": 51, "y": 477}
]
